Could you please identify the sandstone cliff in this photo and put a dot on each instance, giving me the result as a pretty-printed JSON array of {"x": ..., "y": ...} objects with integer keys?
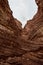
[{"x": 20, "y": 46}]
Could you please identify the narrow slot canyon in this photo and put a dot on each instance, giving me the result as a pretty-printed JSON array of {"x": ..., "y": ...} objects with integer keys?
[{"x": 21, "y": 43}]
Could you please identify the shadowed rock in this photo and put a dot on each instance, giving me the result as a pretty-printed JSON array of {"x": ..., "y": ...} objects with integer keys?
[{"x": 20, "y": 46}]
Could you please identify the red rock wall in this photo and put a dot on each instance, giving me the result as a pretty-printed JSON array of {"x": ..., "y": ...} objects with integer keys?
[{"x": 20, "y": 46}]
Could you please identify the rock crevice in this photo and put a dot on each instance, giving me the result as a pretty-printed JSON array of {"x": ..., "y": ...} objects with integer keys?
[{"x": 20, "y": 46}]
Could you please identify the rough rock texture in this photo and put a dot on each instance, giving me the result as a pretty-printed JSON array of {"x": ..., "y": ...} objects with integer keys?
[{"x": 21, "y": 46}]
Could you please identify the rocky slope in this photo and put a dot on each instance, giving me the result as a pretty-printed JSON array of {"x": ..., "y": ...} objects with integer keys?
[{"x": 20, "y": 46}]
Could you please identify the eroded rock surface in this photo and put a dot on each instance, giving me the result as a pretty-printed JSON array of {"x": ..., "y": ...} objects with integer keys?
[{"x": 20, "y": 46}]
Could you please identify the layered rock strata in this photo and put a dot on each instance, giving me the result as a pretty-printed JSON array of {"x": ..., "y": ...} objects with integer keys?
[{"x": 20, "y": 46}]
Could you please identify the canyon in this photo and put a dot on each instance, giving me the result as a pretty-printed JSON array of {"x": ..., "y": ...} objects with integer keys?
[{"x": 21, "y": 46}]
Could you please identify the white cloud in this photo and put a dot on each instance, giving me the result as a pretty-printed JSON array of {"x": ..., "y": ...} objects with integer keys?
[{"x": 23, "y": 10}]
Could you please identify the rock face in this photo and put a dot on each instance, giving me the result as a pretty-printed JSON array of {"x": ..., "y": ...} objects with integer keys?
[
  {"x": 35, "y": 24},
  {"x": 20, "y": 46}
]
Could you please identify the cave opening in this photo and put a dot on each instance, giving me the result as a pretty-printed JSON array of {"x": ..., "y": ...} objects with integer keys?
[{"x": 23, "y": 10}]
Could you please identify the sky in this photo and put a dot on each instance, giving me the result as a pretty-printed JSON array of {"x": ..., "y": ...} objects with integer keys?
[{"x": 23, "y": 10}]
